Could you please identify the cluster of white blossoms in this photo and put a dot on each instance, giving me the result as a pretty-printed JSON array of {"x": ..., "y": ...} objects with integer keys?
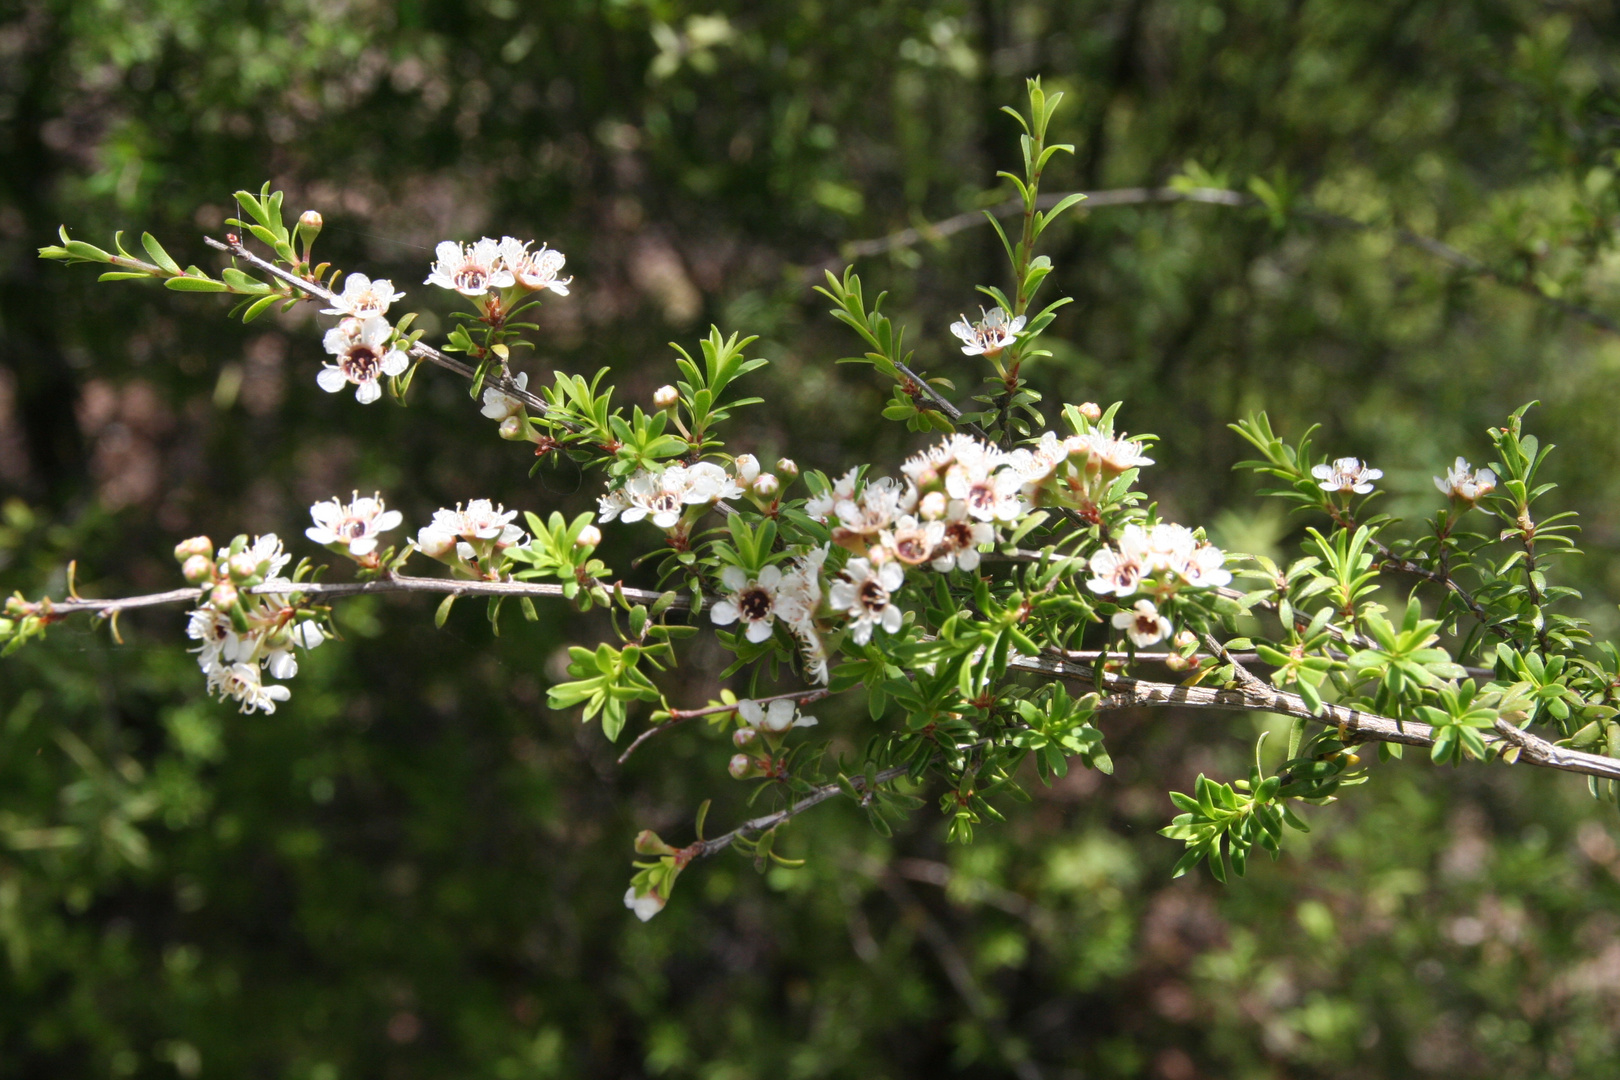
[
  {"x": 485, "y": 265},
  {"x": 241, "y": 634},
  {"x": 1160, "y": 560},
  {"x": 991, "y": 334},
  {"x": 351, "y": 528},
  {"x": 470, "y": 539},
  {"x": 1465, "y": 485},
  {"x": 1346, "y": 474},
  {"x": 671, "y": 498}
]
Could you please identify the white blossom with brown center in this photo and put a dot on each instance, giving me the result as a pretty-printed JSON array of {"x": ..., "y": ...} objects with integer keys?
[
  {"x": 471, "y": 270},
  {"x": 534, "y": 270},
  {"x": 865, "y": 592},
  {"x": 752, "y": 601},
  {"x": 1143, "y": 624},
  {"x": 1347, "y": 474},
  {"x": 363, "y": 355},
  {"x": 362, "y": 297},
  {"x": 353, "y": 526},
  {"x": 991, "y": 334}
]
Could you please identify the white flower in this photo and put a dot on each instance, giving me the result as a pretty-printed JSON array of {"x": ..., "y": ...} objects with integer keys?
[
  {"x": 472, "y": 270},
  {"x": 776, "y": 717},
  {"x": 881, "y": 503},
  {"x": 1120, "y": 572},
  {"x": 989, "y": 496},
  {"x": 926, "y": 468},
  {"x": 362, "y": 297},
  {"x": 821, "y": 506},
  {"x": 1346, "y": 474},
  {"x": 863, "y": 591},
  {"x": 1110, "y": 453},
  {"x": 1143, "y": 624},
  {"x": 355, "y": 526},
  {"x": 436, "y": 541},
  {"x": 752, "y": 601},
  {"x": 747, "y": 466},
  {"x": 242, "y": 683},
  {"x": 481, "y": 520},
  {"x": 611, "y": 505},
  {"x": 1464, "y": 485},
  {"x": 498, "y": 405},
  {"x": 912, "y": 541},
  {"x": 362, "y": 357},
  {"x": 280, "y": 661},
  {"x": 960, "y": 539},
  {"x": 645, "y": 907},
  {"x": 534, "y": 270},
  {"x": 1035, "y": 464},
  {"x": 219, "y": 640},
  {"x": 798, "y": 596},
  {"x": 1205, "y": 568},
  {"x": 990, "y": 334}
]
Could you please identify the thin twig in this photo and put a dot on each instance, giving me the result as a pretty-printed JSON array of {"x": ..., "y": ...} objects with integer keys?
[
  {"x": 1125, "y": 692},
  {"x": 681, "y": 716},
  {"x": 817, "y": 796},
  {"x": 395, "y": 584}
]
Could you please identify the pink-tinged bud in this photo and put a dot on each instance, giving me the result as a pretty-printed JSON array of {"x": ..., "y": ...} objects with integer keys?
[
  {"x": 649, "y": 843},
  {"x": 742, "y": 767},
  {"x": 933, "y": 506},
  {"x": 242, "y": 566},
  {"x": 1091, "y": 411},
  {"x": 198, "y": 569},
  {"x": 515, "y": 429},
  {"x": 666, "y": 397},
  {"x": 767, "y": 486},
  {"x": 223, "y": 596},
  {"x": 588, "y": 537},
  {"x": 744, "y": 737},
  {"x": 309, "y": 226},
  {"x": 787, "y": 467},
  {"x": 1186, "y": 639},
  {"x": 197, "y": 545},
  {"x": 747, "y": 469},
  {"x": 1177, "y": 662}
]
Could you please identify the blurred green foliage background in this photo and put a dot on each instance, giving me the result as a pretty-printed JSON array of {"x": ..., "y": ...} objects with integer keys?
[{"x": 414, "y": 869}]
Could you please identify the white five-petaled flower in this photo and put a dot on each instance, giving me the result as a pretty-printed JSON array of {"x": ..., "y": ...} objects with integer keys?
[
  {"x": 363, "y": 356},
  {"x": 776, "y": 716},
  {"x": 911, "y": 541},
  {"x": 821, "y": 506},
  {"x": 534, "y": 270},
  {"x": 988, "y": 496},
  {"x": 864, "y": 592},
  {"x": 471, "y": 269},
  {"x": 751, "y": 601},
  {"x": 498, "y": 404},
  {"x": 1143, "y": 624},
  {"x": 354, "y": 526},
  {"x": 266, "y": 553},
  {"x": 992, "y": 333},
  {"x": 1110, "y": 453},
  {"x": 363, "y": 297},
  {"x": 960, "y": 538},
  {"x": 1346, "y": 474},
  {"x": 664, "y": 496},
  {"x": 1465, "y": 485}
]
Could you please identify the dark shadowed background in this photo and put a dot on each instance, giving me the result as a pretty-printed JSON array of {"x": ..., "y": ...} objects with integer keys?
[{"x": 414, "y": 869}]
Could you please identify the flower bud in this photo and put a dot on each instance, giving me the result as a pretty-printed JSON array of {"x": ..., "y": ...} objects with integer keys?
[
  {"x": 1177, "y": 662},
  {"x": 197, "y": 545},
  {"x": 515, "y": 429},
  {"x": 435, "y": 543},
  {"x": 747, "y": 469},
  {"x": 666, "y": 397},
  {"x": 198, "y": 569},
  {"x": 588, "y": 537},
  {"x": 242, "y": 566},
  {"x": 742, "y": 767},
  {"x": 1185, "y": 640},
  {"x": 933, "y": 506},
  {"x": 1091, "y": 411},
  {"x": 787, "y": 467},
  {"x": 767, "y": 486},
  {"x": 223, "y": 596},
  {"x": 309, "y": 226},
  {"x": 650, "y": 843},
  {"x": 743, "y": 737}
]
